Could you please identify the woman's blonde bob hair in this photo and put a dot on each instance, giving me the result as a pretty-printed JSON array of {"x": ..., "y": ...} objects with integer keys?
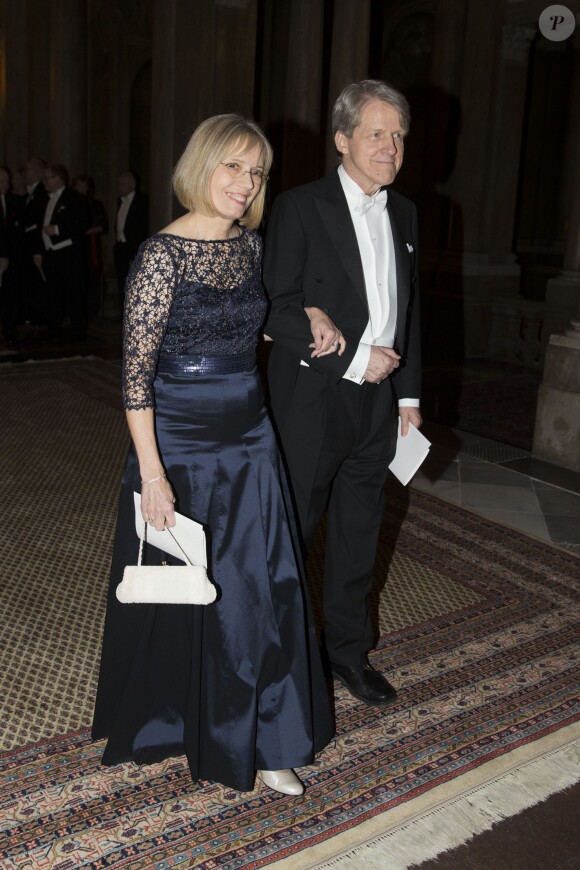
[{"x": 216, "y": 139}]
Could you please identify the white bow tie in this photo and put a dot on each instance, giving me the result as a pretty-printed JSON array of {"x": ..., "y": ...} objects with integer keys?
[{"x": 365, "y": 202}]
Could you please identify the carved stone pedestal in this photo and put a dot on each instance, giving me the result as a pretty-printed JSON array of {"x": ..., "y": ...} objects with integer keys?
[
  {"x": 562, "y": 301},
  {"x": 557, "y": 429}
]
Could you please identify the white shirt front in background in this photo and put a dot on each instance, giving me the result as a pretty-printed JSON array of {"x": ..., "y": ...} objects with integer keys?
[
  {"x": 122, "y": 215},
  {"x": 53, "y": 198}
]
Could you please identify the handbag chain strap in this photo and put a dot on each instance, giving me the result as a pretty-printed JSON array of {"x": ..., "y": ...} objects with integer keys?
[
  {"x": 143, "y": 538},
  {"x": 187, "y": 559}
]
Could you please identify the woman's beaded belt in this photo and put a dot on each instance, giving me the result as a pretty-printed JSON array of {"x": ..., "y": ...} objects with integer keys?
[{"x": 214, "y": 365}]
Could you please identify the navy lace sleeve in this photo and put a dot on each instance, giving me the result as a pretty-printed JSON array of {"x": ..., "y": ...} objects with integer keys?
[{"x": 149, "y": 294}]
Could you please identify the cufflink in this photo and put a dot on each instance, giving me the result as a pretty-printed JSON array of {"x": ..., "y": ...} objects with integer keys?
[{"x": 409, "y": 248}]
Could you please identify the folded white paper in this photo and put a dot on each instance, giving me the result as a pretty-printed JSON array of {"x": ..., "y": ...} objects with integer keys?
[
  {"x": 410, "y": 454},
  {"x": 188, "y": 535}
]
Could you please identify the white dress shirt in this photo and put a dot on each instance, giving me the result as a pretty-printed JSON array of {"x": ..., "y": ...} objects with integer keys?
[
  {"x": 375, "y": 240},
  {"x": 122, "y": 215},
  {"x": 30, "y": 188},
  {"x": 49, "y": 211}
]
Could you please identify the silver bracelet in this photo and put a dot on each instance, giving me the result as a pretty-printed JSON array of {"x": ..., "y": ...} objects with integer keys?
[{"x": 155, "y": 479}]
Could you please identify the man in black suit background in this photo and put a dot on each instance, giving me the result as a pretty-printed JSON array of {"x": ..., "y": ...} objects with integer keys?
[
  {"x": 347, "y": 244},
  {"x": 10, "y": 256},
  {"x": 131, "y": 227},
  {"x": 34, "y": 300},
  {"x": 60, "y": 255}
]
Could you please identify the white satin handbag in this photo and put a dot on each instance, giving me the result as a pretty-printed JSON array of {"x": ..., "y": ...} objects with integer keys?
[{"x": 165, "y": 584}]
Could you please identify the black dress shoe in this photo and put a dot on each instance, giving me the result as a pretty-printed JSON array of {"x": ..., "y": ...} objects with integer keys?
[{"x": 365, "y": 683}]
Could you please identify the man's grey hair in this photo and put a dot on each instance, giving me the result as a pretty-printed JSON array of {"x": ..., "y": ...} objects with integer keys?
[{"x": 347, "y": 110}]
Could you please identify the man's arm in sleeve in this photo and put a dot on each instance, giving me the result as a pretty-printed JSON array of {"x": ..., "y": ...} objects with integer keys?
[
  {"x": 407, "y": 379},
  {"x": 285, "y": 255}
]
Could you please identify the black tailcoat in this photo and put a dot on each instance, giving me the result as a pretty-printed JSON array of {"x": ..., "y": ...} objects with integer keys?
[{"x": 338, "y": 437}]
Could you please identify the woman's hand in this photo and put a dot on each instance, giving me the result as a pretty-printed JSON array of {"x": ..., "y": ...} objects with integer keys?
[
  {"x": 156, "y": 494},
  {"x": 157, "y": 503},
  {"x": 327, "y": 337}
]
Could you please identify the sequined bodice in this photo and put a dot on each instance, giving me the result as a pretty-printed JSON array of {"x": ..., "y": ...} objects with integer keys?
[{"x": 186, "y": 296}]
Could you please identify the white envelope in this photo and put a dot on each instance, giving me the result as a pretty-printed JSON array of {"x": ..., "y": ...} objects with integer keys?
[
  {"x": 188, "y": 535},
  {"x": 411, "y": 452}
]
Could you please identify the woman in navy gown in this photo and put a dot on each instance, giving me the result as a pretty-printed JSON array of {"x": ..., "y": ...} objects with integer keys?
[{"x": 237, "y": 686}]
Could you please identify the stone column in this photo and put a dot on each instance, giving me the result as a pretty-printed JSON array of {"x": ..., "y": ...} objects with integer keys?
[
  {"x": 235, "y": 56},
  {"x": 203, "y": 64},
  {"x": 456, "y": 176},
  {"x": 447, "y": 59},
  {"x": 38, "y": 102},
  {"x": 449, "y": 45},
  {"x": 162, "y": 113},
  {"x": 66, "y": 22},
  {"x": 15, "y": 75},
  {"x": 471, "y": 177},
  {"x": 507, "y": 139},
  {"x": 119, "y": 46},
  {"x": 483, "y": 186},
  {"x": 349, "y": 56},
  {"x": 302, "y": 117},
  {"x": 563, "y": 291},
  {"x": 516, "y": 323},
  {"x": 440, "y": 216},
  {"x": 27, "y": 106},
  {"x": 557, "y": 429}
]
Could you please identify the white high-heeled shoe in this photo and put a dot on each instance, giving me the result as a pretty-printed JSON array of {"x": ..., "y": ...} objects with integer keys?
[{"x": 284, "y": 781}]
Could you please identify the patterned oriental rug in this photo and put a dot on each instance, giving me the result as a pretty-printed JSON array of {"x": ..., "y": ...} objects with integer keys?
[{"x": 479, "y": 629}]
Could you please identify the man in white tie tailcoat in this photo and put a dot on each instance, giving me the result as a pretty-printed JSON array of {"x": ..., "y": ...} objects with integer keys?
[{"x": 347, "y": 244}]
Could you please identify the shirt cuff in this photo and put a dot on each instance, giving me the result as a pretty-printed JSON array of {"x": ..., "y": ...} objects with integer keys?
[
  {"x": 409, "y": 403},
  {"x": 356, "y": 370}
]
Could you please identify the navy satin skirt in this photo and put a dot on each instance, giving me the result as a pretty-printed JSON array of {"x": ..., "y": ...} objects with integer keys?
[{"x": 235, "y": 685}]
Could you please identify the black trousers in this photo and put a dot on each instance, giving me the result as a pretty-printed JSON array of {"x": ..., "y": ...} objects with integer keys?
[
  {"x": 338, "y": 441},
  {"x": 10, "y": 300},
  {"x": 64, "y": 271},
  {"x": 34, "y": 294}
]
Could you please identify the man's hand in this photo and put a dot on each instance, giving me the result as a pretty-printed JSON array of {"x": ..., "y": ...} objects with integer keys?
[
  {"x": 409, "y": 415},
  {"x": 37, "y": 260},
  {"x": 49, "y": 229},
  {"x": 382, "y": 361},
  {"x": 4, "y": 263}
]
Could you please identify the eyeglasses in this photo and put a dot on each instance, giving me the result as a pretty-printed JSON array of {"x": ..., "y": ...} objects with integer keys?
[{"x": 236, "y": 171}]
